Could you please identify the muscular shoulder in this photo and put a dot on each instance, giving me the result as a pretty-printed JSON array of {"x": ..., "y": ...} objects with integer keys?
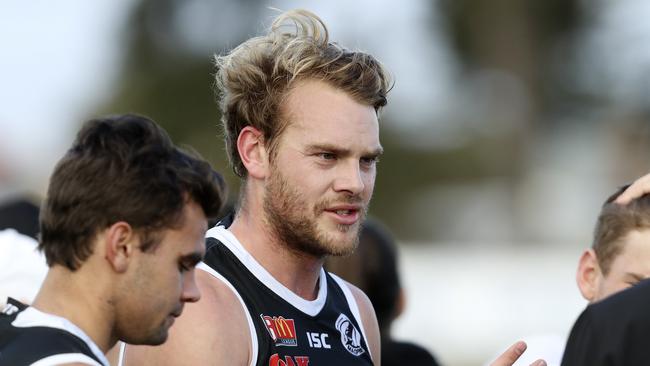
[
  {"x": 363, "y": 302},
  {"x": 205, "y": 333},
  {"x": 368, "y": 319}
]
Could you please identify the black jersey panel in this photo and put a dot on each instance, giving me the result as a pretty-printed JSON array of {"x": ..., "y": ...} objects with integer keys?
[
  {"x": 26, "y": 345},
  {"x": 286, "y": 335}
]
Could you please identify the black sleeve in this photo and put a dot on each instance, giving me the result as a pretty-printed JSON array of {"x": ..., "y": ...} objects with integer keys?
[
  {"x": 583, "y": 347},
  {"x": 613, "y": 332}
]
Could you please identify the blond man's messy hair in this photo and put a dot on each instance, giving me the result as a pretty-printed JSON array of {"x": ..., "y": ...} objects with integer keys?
[{"x": 254, "y": 78}]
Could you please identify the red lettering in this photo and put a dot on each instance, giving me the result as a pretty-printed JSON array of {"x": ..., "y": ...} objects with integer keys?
[
  {"x": 288, "y": 361},
  {"x": 276, "y": 361}
]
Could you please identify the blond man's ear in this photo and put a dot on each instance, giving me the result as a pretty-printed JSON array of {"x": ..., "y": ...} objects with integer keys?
[{"x": 253, "y": 152}]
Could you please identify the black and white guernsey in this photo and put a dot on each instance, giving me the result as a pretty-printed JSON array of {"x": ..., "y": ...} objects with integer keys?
[
  {"x": 31, "y": 337},
  {"x": 287, "y": 330}
]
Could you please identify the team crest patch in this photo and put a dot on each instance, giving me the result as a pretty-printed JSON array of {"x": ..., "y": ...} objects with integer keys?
[
  {"x": 350, "y": 336},
  {"x": 281, "y": 330},
  {"x": 10, "y": 309}
]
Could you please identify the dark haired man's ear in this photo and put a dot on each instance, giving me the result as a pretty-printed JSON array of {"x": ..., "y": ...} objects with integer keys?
[
  {"x": 253, "y": 152},
  {"x": 120, "y": 241},
  {"x": 588, "y": 275}
]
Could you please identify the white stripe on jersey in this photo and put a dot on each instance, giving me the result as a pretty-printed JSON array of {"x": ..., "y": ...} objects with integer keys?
[
  {"x": 311, "y": 308},
  {"x": 32, "y": 317}
]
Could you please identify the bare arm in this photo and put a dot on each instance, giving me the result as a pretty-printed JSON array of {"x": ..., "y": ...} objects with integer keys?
[
  {"x": 369, "y": 320},
  {"x": 212, "y": 331}
]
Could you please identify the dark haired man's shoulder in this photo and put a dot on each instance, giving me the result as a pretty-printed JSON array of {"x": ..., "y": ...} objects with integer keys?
[{"x": 29, "y": 342}]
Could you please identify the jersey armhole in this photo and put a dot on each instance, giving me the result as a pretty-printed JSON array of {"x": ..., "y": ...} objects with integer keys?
[
  {"x": 251, "y": 326},
  {"x": 354, "y": 307}
]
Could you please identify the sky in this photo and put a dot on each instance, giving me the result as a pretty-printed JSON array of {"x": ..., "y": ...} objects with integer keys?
[{"x": 59, "y": 59}]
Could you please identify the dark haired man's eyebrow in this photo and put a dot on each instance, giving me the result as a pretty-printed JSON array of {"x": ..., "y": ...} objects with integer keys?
[{"x": 192, "y": 259}]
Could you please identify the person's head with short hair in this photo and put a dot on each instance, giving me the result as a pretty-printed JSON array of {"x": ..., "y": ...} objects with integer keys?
[
  {"x": 301, "y": 129},
  {"x": 127, "y": 211},
  {"x": 373, "y": 267},
  {"x": 620, "y": 253}
]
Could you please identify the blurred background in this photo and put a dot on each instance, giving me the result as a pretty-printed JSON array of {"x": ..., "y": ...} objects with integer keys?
[{"x": 509, "y": 124}]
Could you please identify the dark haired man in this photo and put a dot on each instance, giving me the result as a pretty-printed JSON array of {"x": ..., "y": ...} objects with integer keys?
[{"x": 122, "y": 228}]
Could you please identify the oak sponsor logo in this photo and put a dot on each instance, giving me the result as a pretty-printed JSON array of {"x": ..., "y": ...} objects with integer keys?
[
  {"x": 281, "y": 330},
  {"x": 350, "y": 336},
  {"x": 277, "y": 360}
]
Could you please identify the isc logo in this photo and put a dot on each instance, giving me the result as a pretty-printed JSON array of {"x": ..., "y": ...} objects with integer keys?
[{"x": 317, "y": 340}]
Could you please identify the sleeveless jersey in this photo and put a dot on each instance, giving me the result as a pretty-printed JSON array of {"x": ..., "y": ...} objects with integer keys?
[
  {"x": 287, "y": 330},
  {"x": 31, "y": 337}
]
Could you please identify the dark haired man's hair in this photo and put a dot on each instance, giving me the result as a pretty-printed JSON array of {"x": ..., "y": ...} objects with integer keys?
[
  {"x": 615, "y": 222},
  {"x": 121, "y": 168}
]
